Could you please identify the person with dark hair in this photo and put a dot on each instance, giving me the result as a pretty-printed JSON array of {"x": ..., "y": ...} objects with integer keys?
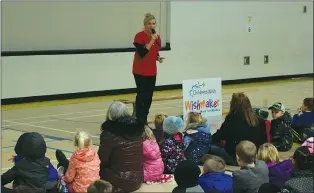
[
  {"x": 186, "y": 176},
  {"x": 303, "y": 122},
  {"x": 241, "y": 123},
  {"x": 32, "y": 171},
  {"x": 302, "y": 177},
  {"x": 100, "y": 186}
]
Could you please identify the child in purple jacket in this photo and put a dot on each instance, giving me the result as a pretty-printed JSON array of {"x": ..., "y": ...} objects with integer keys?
[{"x": 279, "y": 172}]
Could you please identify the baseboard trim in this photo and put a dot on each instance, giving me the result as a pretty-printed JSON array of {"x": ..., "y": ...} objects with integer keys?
[{"x": 31, "y": 99}]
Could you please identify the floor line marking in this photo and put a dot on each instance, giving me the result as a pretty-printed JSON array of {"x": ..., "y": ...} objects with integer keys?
[
  {"x": 71, "y": 118},
  {"x": 53, "y": 129},
  {"x": 80, "y": 112}
]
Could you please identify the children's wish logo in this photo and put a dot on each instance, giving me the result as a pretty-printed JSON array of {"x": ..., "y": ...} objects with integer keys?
[{"x": 200, "y": 89}]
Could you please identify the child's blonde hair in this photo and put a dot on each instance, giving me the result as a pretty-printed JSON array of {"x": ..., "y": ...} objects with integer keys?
[
  {"x": 148, "y": 134},
  {"x": 82, "y": 140},
  {"x": 159, "y": 119},
  {"x": 268, "y": 153},
  {"x": 195, "y": 117}
]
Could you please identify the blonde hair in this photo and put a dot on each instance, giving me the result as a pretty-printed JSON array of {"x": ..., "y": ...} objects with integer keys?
[
  {"x": 82, "y": 140},
  {"x": 159, "y": 119},
  {"x": 195, "y": 117},
  {"x": 148, "y": 17},
  {"x": 148, "y": 134},
  {"x": 268, "y": 153},
  {"x": 246, "y": 151}
]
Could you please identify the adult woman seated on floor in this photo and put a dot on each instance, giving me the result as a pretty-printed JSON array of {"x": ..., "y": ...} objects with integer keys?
[
  {"x": 120, "y": 149},
  {"x": 240, "y": 124}
]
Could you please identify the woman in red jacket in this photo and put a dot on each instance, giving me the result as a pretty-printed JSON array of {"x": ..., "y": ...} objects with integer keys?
[{"x": 147, "y": 44}]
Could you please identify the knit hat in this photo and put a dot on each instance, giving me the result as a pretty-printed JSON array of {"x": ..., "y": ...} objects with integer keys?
[
  {"x": 172, "y": 125},
  {"x": 278, "y": 106},
  {"x": 262, "y": 113},
  {"x": 186, "y": 174}
]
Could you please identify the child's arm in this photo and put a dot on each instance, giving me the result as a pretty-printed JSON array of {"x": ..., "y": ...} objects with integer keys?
[
  {"x": 71, "y": 171},
  {"x": 296, "y": 121},
  {"x": 8, "y": 176}
]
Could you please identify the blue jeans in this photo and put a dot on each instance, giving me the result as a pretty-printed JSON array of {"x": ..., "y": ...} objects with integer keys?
[{"x": 221, "y": 152}]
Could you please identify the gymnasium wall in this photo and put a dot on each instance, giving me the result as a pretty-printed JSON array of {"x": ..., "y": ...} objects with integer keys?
[{"x": 208, "y": 39}]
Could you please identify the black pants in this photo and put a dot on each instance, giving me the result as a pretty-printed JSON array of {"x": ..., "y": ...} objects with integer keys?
[
  {"x": 62, "y": 159},
  {"x": 145, "y": 86}
]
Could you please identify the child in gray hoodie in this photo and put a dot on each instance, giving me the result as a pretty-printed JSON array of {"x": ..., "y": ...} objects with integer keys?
[{"x": 253, "y": 173}]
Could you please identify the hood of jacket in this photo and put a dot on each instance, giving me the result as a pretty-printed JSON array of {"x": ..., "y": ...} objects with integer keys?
[
  {"x": 216, "y": 181},
  {"x": 198, "y": 126},
  {"x": 19, "y": 145},
  {"x": 281, "y": 171},
  {"x": 85, "y": 155},
  {"x": 34, "y": 146},
  {"x": 126, "y": 127}
]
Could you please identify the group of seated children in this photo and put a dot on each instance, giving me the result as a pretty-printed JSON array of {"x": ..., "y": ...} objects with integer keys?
[
  {"x": 173, "y": 152},
  {"x": 260, "y": 172}
]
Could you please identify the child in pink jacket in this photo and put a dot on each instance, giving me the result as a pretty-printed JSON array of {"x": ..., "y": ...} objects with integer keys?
[
  {"x": 152, "y": 162},
  {"x": 83, "y": 167}
]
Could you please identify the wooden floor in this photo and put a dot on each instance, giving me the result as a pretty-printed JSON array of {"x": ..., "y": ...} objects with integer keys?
[{"x": 58, "y": 121}]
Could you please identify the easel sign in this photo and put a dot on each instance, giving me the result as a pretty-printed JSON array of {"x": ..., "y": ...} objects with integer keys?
[{"x": 203, "y": 96}]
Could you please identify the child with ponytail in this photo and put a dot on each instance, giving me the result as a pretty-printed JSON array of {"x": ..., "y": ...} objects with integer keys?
[{"x": 83, "y": 167}]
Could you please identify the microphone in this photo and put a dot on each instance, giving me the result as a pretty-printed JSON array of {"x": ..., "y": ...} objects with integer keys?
[{"x": 153, "y": 32}]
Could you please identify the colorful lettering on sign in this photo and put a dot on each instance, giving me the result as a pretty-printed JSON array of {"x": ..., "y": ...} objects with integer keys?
[{"x": 202, "y": 105}]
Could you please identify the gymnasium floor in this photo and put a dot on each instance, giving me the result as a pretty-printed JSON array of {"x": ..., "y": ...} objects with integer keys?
[{"x": 58, "y": 121}]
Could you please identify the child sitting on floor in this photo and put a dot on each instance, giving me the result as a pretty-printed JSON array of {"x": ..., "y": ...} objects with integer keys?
[
  {"x": 279, "y": 172},
  {"x": 52, "y": 173},
  {"x": 32, "y": 170},
  {"x": 100, "y": 186},
  {"x": 171, "y": 145},
  {"x": 83, "y": 167},
  {"x": 301, "y": 180},
  {"x": 153, "y": 165},
  {"x": 186, "y": 176},
  {"x": 214, "y": 177},
  {"x": 158, "y": 131},
  {"x": 197, "y": 138},
  {"x": 253, "y": 173},
  {"x": 281, "y": 130},
  {"x": 302, "y": 122}
]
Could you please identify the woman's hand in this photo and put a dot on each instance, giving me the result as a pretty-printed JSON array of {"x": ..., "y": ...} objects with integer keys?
[
  {"x": 160, "y": 59},
  {"x": 12, "y": 158}
]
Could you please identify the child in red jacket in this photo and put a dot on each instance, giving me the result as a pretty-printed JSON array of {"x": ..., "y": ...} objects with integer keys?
[
  {"x": 153, "y": 164},
  {"x": 83, "y": 167}
]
